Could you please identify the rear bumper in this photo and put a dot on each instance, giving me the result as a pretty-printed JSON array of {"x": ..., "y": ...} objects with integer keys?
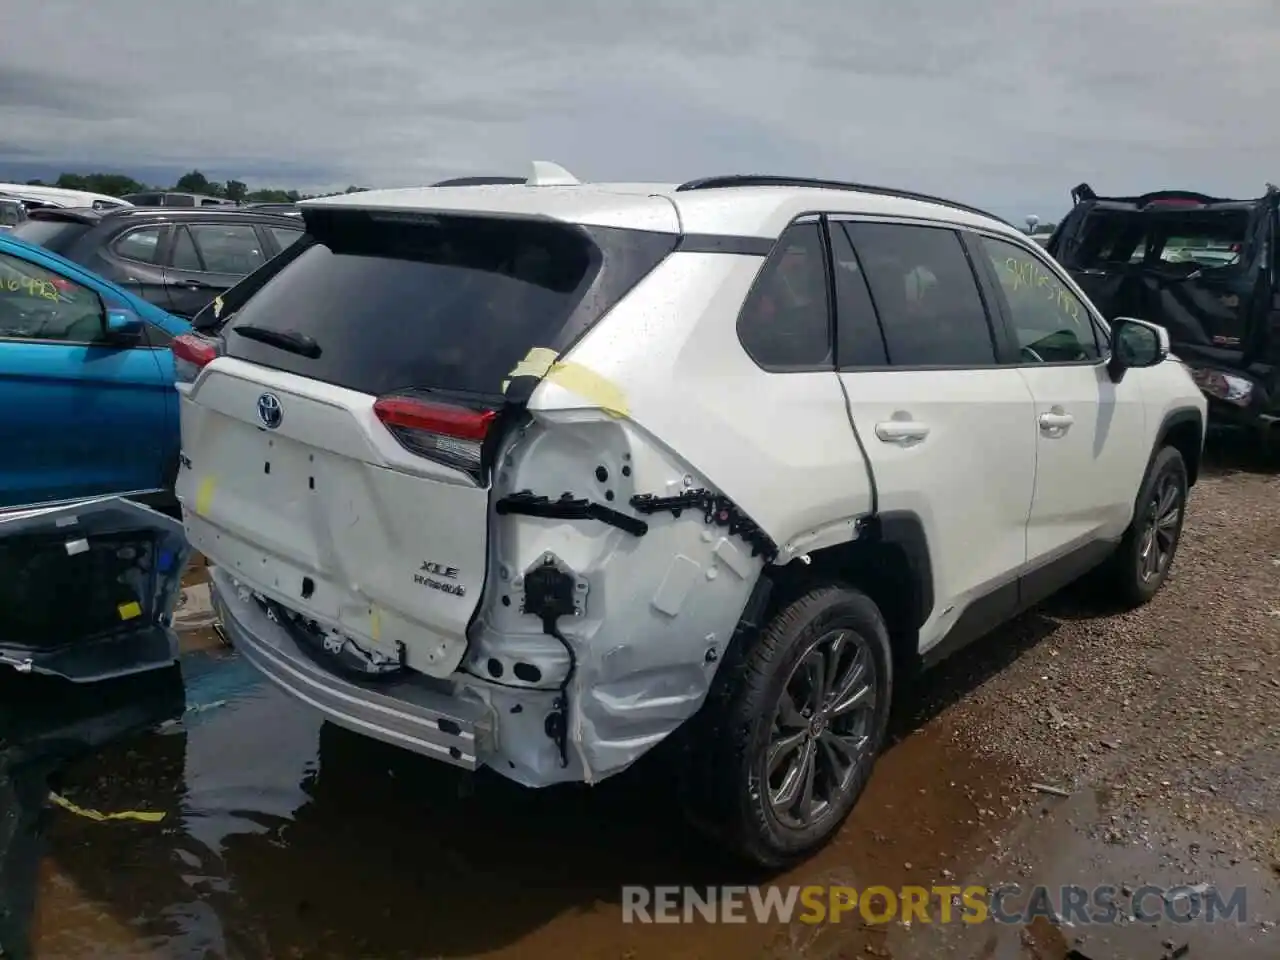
[{"x": 419, "y": 714}]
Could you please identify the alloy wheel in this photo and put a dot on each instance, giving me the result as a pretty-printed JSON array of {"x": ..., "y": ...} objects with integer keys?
[
  {"x": 1160, "y": 533},
  {"x": 821, "y": 731}
]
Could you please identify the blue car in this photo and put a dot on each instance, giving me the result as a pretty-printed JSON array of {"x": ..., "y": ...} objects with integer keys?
[{"x": 87, "y": 400}]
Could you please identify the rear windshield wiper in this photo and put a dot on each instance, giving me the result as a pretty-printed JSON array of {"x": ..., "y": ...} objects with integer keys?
[{"x": 290, "y": 340}]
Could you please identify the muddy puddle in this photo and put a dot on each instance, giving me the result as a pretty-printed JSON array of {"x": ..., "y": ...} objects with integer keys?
[{"x": 265, "y": 832}]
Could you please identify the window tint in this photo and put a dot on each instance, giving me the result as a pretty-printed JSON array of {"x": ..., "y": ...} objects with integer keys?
[
  {"x": 38, "y": 304},
  {"x": 444, "y": 302},
  {"x": 859, "y": 342},
  {"x": 184, "y": 256},
  {"x": 142, "y": 244},
  {"x": 925, "y": 294},
  {"x": 285, "y": 237},
  {"x": 177, "y": 200},
  {"x": 1050, "y": 323},
  {"x": 228, "y": 248},
  {"x": 785, "y": 321}
]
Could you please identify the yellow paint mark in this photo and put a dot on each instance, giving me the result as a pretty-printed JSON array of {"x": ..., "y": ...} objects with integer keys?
[
  {"x": 204, "y": 495},
  {"x": 536, "y": 363},
  {"x": 130, "y": 610},
  {"x": 586, "y": 383},
  {"x": 145, "y": 816},
  {"x": 589, "y": 385},
  {"x": 217, "y": 307},
  {"x": 375, "y": 624}
]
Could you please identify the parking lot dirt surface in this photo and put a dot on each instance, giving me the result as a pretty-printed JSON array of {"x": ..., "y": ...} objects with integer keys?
[{"x": 1074, "y": 746}]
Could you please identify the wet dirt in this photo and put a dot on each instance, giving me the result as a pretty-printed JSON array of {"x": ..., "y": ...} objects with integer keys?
[{"x": 286, "y": 837}]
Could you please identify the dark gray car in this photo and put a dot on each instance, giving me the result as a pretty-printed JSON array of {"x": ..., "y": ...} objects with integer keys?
[{"x": 177, "y": 258}]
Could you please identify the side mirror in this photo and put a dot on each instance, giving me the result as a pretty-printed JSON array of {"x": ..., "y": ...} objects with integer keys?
[
  {"x": 1136, "y": 343},
  {"x": 121, "y": 324}
]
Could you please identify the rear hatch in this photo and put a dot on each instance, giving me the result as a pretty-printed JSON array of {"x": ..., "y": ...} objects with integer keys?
[
  {"x": 87, "y": 589},
  {"x": 344, "y": 402},
  {"x": 1195, "y": 264}
]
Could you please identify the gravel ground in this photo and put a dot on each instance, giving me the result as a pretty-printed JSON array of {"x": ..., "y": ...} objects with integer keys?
[{"x": 1176, "y": 704}]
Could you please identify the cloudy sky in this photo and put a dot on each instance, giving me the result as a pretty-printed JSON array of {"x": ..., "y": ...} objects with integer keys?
[{"x": 1005, "y": 103}]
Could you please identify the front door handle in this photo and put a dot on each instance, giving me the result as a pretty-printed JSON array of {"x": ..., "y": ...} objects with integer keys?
[
  {"x": 1055, "y": 423},
  {"x": 902, "y": 431}
]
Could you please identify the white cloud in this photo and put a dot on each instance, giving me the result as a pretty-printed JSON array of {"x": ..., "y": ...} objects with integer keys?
[{"x": 1003, "y": 103}]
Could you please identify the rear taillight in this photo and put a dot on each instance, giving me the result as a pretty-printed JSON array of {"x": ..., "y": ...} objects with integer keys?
[
  {"x": 450, "y": 434},
  {"x": 192, "y": 353}
]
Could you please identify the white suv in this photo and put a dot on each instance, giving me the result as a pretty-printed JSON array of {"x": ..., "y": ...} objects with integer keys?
[{"x": 531, "y": 476}]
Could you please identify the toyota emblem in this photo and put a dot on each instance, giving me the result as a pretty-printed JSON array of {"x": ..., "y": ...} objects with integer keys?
[{"x": 269, "y": 411}]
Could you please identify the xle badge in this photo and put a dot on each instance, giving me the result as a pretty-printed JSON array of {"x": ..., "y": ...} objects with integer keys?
[{"x": 429, "y": 575}]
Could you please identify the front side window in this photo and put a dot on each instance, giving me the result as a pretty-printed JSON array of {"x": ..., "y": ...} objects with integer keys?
[
  {"x": 232, "y": 248},
  {"x": 1050, "y": 323},
  {"x": 785, "y": 321},
  {"x": 926, "y": 295},
  {"x": 38, "y": 304}
]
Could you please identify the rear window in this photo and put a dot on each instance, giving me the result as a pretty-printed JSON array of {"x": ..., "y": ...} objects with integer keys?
[
  {"x": 55, "y": 235},
  {"x": 1201, "y": 238},
  {"x": 394, "y": 301}
]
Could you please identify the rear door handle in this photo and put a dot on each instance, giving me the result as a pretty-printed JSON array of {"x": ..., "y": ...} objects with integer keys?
[
  {"x": 902, "y": 431},
  {"x": 1055, "y": 423}
]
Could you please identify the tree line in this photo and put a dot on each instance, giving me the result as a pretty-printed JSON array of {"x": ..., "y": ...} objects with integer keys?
[{"x": 119, "y": 184}]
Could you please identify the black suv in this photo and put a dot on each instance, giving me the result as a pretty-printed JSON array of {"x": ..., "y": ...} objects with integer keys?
[
  {"x": 179, "y": 259},
  {"x": 1207, "y": 269}
]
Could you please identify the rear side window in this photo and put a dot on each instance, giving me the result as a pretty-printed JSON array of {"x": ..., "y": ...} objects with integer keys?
[
  {"x": 926, "y": 295},
  {"x": 285, "y": 237},
  {"x": 859, "y": 340},
  {"x": 232, "y": 248},
  {"x": 55, "y": 235},
  {"x": 388, "y": 302},
  {"x": 785, "y": 323},
  {"x": 142, "y": 245}
]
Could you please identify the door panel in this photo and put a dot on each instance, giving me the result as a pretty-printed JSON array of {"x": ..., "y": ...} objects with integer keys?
[
  {"x": 133, "y": 258},
  {"x": 956, "y": 448},
  {"x": 90, "y": 418},
  {"x": 948, "y": 431},
  {"x": 207, "y": 259},
  {"x": 1090, "y": 458},
  {"x": 1089, "y": 431}
]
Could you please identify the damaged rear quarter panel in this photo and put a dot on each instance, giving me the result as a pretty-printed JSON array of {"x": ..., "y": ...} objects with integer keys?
[{"x": 657, "y": 609}]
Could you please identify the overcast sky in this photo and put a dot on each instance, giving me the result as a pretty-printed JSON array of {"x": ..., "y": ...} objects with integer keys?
[{"x": 1005, "y": 103}]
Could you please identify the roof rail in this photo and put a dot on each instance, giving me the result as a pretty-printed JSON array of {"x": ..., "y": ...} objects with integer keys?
[
  {"x": 766, "y": 180},
  {"x": 477, "y": 181}
]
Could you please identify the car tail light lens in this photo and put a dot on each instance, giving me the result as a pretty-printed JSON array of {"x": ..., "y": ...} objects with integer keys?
[
  {"x": 451, "y": 434},
  {"x": 192, "y": 353}
]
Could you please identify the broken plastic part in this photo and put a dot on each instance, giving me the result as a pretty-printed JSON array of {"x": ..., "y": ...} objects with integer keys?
[
  {"x": 529, "y": 504},
  {"x": 716, "y": 509}
]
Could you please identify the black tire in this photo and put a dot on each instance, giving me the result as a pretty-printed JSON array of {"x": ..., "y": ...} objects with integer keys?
[
  {"x": 737, "y": 796},
  {"x": 1131, "y": 581}
]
